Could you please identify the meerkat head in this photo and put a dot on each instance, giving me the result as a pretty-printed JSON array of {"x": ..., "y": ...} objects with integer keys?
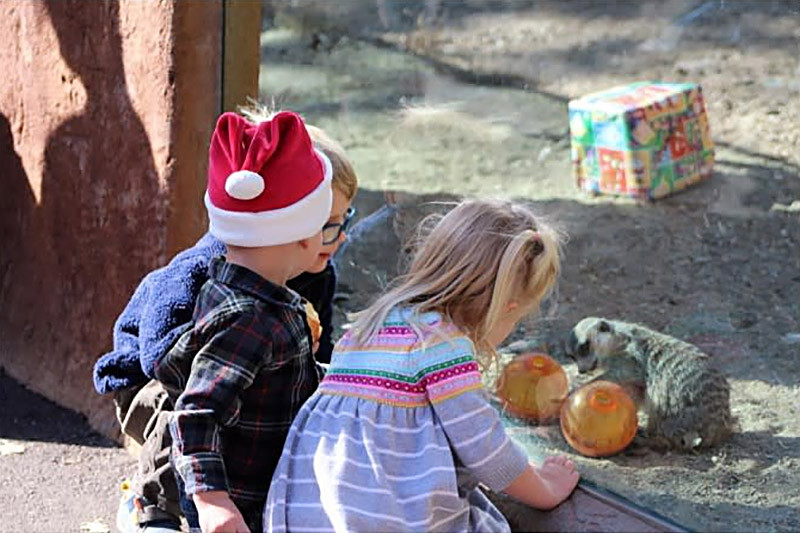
[{"x": 591, "y": 339}]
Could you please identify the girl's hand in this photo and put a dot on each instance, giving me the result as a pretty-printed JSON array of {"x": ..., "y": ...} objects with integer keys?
[
  {"x": 547, "y": 485},
  {"x": 218, "y": 514},
  {"x": 559, "y": 475}
]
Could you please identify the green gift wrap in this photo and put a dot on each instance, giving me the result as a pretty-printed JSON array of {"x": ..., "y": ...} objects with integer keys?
[{"x": 646, "y": 140}]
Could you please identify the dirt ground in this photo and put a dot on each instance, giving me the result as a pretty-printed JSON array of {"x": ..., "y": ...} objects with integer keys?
[
  {"x": 56, "y": 474},
  {"x": 441, "y": 99}
]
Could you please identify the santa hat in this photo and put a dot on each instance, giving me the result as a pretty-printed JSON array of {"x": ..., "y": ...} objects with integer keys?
[{"x": 267, "y": 184}]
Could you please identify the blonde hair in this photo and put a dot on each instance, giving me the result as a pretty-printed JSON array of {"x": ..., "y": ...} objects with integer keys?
[
  {"x": 479, "y": 257},
  {"x": 344, "y": 175}
]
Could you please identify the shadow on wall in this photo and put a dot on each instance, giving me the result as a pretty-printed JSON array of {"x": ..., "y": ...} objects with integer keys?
[
  {"x": 29, "y": 417},
  {"x": 16, "y": 201},
  {"x": 77, "y": 257}
]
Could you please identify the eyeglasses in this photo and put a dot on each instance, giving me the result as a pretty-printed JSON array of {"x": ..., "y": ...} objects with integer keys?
[{"x": 332, "y": 231}]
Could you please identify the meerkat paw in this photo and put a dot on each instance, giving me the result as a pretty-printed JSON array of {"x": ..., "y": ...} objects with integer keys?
[{"x": 649, "y": 441}]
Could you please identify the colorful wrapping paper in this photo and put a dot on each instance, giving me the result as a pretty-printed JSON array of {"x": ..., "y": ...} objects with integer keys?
[{"x": 646, "y": 140}]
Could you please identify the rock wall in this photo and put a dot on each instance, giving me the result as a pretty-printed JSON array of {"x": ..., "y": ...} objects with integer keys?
[{"x": 106, "y": 109}]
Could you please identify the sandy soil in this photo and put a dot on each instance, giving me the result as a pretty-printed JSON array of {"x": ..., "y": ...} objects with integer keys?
[{"x": 56, "y": 474}]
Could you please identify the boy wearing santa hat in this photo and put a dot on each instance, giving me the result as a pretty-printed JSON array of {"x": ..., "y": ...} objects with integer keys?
[
  {"x": 160, "y": 310},
  {"x": 245, "y": 367}
]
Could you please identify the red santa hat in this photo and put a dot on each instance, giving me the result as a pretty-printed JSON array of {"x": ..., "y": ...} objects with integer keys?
[{"x": 267, "y": 184}]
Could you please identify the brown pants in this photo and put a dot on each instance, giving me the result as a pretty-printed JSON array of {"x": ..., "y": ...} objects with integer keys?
[{"x": 144, "y": 416}]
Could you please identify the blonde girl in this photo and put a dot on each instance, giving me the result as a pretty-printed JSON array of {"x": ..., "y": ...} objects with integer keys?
[{"x": 400, "y": 432}]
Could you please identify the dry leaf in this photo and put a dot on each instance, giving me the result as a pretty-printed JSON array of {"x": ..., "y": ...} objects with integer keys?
[
  {"x": 95, "y": 526},
  {"x": 9, "y": 447}
]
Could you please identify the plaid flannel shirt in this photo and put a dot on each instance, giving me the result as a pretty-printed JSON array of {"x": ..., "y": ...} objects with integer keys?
[{"x": 240, "y": 375}]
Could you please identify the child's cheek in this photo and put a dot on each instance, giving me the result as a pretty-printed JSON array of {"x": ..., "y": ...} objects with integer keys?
[{"x": 331, "y": 249}]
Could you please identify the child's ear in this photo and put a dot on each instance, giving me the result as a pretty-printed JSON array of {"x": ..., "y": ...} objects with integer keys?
[
  {"x": 304, "y": 243},
  {"x": 512, "y": 306}
]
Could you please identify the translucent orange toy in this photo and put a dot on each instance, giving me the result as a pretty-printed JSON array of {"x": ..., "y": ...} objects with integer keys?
[
  {"x": 312, "y": 318},
  {"x": 599, "y": 419},
  {"x": 533, "y": 386}
]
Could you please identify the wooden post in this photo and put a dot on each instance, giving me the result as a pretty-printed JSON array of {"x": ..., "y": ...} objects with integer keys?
[{"x": 241, "y": 52}]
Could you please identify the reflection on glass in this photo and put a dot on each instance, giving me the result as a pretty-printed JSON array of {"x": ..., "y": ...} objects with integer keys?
[{"x": 440, "y": 98}]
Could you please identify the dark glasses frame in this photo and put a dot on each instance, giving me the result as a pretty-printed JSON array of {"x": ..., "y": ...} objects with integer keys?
[{"x": 342, "y": 226}]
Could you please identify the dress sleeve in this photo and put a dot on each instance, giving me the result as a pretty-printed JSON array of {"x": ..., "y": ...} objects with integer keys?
[
  {"x": 223, "y": 367},
  {"x": 471, "y": 424}
]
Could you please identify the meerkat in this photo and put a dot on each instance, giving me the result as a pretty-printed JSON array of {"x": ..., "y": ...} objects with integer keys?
[{"x": 685, "y": 400}]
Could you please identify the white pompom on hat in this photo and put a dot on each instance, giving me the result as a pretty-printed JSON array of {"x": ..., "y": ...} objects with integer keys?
[{"x": 267, "y": 184}]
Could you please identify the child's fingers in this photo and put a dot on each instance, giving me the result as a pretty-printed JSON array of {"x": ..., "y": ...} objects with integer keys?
[
  {"x": 557, "y": 459},
  {"x": 560, "y": 461}
]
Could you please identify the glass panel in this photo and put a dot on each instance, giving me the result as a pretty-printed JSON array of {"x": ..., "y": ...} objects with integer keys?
[{"x": 438, "y": 99}]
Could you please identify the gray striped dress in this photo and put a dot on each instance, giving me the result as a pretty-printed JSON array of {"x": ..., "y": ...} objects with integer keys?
[{"x": 396, "y": 438}]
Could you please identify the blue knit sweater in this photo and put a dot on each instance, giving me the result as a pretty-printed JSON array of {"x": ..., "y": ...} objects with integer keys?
[{"x": 161, "y": 309}]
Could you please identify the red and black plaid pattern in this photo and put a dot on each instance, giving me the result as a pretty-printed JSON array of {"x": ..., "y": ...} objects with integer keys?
[{"x": 239, "y": 376}]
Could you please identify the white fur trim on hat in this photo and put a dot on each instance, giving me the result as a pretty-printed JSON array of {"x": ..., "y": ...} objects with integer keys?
[{"x": 292, "y": 223}]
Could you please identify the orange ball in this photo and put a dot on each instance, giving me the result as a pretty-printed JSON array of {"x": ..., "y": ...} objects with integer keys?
[
  {"x": 599, "y": 419},
  {"x": 533, "y": 386},
  {"x": 312, "y": 319}
]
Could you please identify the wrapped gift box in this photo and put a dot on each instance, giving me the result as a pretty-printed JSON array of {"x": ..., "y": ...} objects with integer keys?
[{"x": 645, "y": 140}]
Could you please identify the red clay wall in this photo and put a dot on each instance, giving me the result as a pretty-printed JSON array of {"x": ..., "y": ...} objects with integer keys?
[{"x": 106, "y": 109}]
